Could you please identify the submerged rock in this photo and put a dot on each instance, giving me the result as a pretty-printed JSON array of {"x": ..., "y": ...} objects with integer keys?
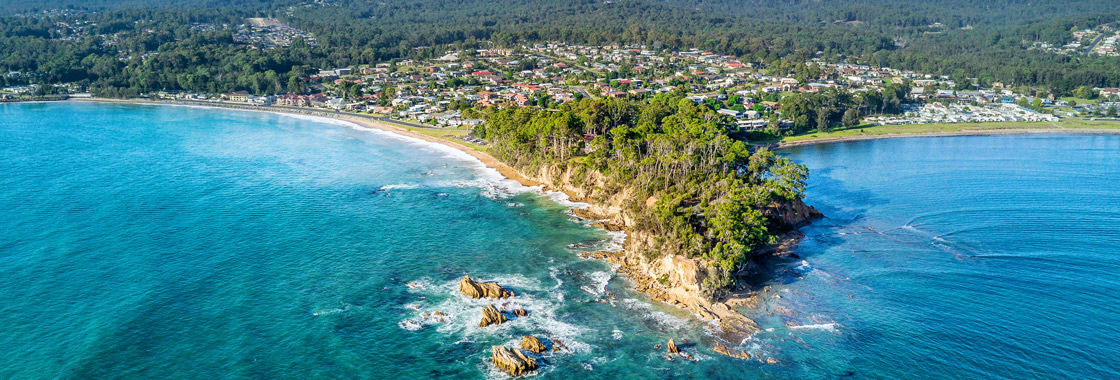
[
  {"x": 513, "y": 361},
  {"x": 479, "y": 289},
  {"x": 557, "y": 345},
  {"x": 491, "y": 316},
  {"x": 531, "y": 343},
  {"x": 672, "y": 347},
  {"x": 724, "y": 350}
]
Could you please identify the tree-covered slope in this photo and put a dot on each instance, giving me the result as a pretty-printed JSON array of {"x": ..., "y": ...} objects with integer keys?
[
  {"x": 678, "y": 175},
  {"x": 987, "y": 40}
]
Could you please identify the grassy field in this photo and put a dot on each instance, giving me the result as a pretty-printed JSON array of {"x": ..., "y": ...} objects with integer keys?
[
  {"x": 1095, "y": 124},
  {"x": 951, "y": 128},
  {"x": 1081, "y": 101},
  {"x": 449, "y": 134}
]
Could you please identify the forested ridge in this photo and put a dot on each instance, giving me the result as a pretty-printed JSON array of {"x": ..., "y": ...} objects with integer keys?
[
  {"x": 949, "y": 37},
  {"x": 704, "y": 194}
]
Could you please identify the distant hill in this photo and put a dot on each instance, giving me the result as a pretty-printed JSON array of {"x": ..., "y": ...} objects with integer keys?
[{"x": 989, "y": 40}]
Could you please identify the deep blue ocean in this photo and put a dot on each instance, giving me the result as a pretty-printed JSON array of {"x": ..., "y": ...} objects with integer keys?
[{"x": 141, "y": 242}]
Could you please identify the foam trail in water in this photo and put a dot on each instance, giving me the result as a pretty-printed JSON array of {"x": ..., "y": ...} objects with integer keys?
[
  {"x": 489, "y": 178},
  {"x": 402, "y": 186},
  {"x": 830, "y": 327}
]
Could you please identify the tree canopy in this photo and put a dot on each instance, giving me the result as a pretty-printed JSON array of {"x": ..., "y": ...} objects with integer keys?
[{"x": 704, "y": 194}]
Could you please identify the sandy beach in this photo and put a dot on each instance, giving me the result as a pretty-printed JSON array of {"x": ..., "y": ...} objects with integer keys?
[
  {"x": 486, "y": 158},
  {"x": 733, "y": 323}
]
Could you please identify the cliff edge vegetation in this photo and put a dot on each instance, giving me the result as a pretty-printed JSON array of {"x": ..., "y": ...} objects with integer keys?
[{"x": 699, "y": 206}]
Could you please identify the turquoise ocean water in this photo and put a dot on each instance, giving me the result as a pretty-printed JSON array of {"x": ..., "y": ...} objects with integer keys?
[
  {"x": 169, "y": 242},
  {"x": 994, "y": 257}
]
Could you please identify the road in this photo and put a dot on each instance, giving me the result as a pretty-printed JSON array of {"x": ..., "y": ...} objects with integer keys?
[
  {"x": 1097, "y": 40},
  {"x": 583, "y": 91}
]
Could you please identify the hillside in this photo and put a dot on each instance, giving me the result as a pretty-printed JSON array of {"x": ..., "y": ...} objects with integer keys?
[
  {"x": 984, "y": 40},
  {"x": 698, "y": 206}
]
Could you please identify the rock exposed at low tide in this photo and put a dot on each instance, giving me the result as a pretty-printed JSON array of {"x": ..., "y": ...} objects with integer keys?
[
  {"x": 672, "y": 347},
  {"x": 491, "y": 316},
  {"x": 531, "y": 343},
  {"x": 520, "y": 312},
  {"x": 557, "y": 345},
  {"x": 724, "y": 350},
  {"x": 513, "y": 361},
  {"x": 479, "y": 289}
]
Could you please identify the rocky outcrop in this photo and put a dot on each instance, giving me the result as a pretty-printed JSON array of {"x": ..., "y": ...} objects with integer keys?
[
  {"x": 672, "y": 347},
  {"x": 479, "y": 289},
  {"x": 491, "y": 316},
  {"x": 721, "y": 349},
  {"x": 558, "y": 345},
  {"x": 665, "y": 277},
  {"x": 794, "y": 214},
  {"x": 513, "y": 361},
  {"x": 520, "y": 312},
  {"x": 532, "y": 344}
]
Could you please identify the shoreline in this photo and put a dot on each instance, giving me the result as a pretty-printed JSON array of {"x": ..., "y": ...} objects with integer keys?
[
  {"x": 976, "y": 132},
  {"x": 486, "y": 159},
  {"x": 734, "y": 325}
]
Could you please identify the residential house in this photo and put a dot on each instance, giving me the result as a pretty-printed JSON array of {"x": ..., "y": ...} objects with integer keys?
[{"x": 239, "y": 96}]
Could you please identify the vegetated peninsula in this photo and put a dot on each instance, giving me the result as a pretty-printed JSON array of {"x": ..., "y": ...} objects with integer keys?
[
  {"x": 698, "y": 206},
  {"x": 642, "y": 108}
]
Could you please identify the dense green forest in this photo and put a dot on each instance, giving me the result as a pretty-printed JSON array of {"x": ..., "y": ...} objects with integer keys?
[
  {"x": 144, "y": 46},
  {"x": 712, "y": 192}
]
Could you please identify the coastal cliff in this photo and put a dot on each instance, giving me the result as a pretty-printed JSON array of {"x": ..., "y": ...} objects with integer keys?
[
  {"x": 685, "y": 278},
  {"x": 671, "y": 277},
  {"x": 700, "y": 208}
]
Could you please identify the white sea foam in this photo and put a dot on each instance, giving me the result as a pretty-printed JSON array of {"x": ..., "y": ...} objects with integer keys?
[
  {"x": 401, "y": 186},
  {"x": 420, "y": 284},
  {"x": 423, "y": 317},
  {"x": 554, "y": 273},
  {"x": 803, "y": 266},
  {"x": 464, "y": 312},
  {"x": 830, "y": 327},
  {"x": 616, "y": 242},
  {"x": 563, "y": 199},
  {"x": 410, "y": 325},
  {"x": 332, "y": 311},
  {"x": 654, "y": 318},
  {"x": 600, "y": 281},
  {"x": 493, "y": 183}
]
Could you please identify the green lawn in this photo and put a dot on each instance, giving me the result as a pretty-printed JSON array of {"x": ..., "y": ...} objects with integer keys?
[
  {"x": 1081, "y": 101},
  {"x": 452, "y": 134},
  {"x": 1086, "y": 124},
  {"x": 946, "y": 128}
]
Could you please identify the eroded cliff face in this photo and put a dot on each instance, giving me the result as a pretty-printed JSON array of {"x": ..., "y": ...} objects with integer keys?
[
  {"x": 794, "y": 215},
  {"x": 669, "y": 278}
]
